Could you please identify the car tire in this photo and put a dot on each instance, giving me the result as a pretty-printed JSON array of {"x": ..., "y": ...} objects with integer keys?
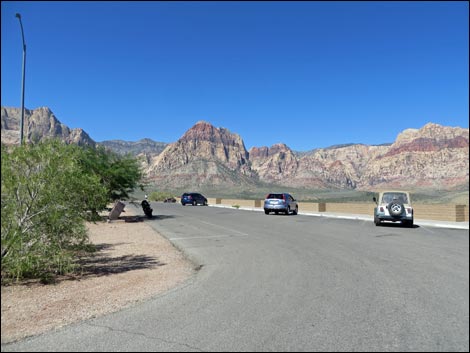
[
  {"x": 288, "y": 210},
  {"x": 296, "y": 211},
  {"x": 266, "y": 212},
  {"x": 408, "y": 224},
  {"x": 377, "y": 221},
  {"x": 194, "y": 203}
]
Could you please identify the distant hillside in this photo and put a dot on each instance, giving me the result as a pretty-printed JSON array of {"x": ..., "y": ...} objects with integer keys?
[
  {"x": 41, "y": 123},
  {"x": 433, "y": 157},
  {"x": 134, "y": 148}
]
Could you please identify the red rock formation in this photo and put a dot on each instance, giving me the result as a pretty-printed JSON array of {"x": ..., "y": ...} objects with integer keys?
[{"x": 434, "y": 156}]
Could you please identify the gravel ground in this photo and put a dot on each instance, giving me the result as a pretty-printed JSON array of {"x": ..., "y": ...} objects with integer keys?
[{"x": 133, "y": 263}]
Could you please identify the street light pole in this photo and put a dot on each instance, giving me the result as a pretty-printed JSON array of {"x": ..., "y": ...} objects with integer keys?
[{"x": 22, "y": 85}]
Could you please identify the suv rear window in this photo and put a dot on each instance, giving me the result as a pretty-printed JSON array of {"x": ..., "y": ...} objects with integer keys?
[
  {"x": 389, "y": 197},
  {"x": 275, "y": 196}
]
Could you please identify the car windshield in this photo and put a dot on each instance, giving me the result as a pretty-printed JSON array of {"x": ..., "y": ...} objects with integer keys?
[
  {"x": 394, "y": 196},
  {"x": 275, "y": 196}
]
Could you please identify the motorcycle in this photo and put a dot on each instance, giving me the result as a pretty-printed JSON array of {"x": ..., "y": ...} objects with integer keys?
[{"x": 147, "y": 209}]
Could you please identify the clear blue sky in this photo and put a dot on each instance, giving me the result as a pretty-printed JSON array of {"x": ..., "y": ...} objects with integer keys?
[{"x": 309, "y": 74}]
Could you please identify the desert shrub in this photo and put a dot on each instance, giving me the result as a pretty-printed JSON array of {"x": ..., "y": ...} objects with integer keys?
[
  {"x": 46, "y": 197},
  {"x": 159, "y": 195},
  {"x": 49, "y": 189}
]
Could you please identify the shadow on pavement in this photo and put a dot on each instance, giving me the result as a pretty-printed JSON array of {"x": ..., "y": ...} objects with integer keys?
[{"x": 397, "y": 225}]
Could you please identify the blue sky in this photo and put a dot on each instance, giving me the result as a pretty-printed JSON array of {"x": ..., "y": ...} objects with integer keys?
[{"x": 309, "y": 74}]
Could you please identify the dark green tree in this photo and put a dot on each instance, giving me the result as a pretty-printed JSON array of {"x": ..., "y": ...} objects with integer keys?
[{"x": 120, "y": 175}]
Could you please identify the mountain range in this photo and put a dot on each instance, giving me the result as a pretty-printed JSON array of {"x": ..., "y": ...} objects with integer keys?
[{"x": 432, "y": 157}]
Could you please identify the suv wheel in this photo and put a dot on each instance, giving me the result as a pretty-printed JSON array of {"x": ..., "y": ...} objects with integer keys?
[
  {"x": 296, "y": 210},
  {"x": 408, "y": 224},
  {"x": 376, "y": 220}
]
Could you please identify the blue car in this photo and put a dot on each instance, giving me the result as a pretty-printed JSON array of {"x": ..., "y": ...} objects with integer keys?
[
  {"x": 193, "y": 198},
  {"x": 282, "y": 202}
]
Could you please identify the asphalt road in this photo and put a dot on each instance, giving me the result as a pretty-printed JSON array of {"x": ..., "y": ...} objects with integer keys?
[{"x": 292, "y": 283}]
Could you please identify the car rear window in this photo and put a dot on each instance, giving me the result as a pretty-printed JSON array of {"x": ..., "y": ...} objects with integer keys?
[
  {"x": 389, "y": 197},
  {"x": 275, "y": 196}
]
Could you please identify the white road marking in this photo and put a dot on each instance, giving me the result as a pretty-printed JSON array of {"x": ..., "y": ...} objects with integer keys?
[{"x": 204, "y": 237}]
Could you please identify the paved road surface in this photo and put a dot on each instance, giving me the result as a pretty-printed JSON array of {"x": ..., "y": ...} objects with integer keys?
[{"x": 292, "y": 283}]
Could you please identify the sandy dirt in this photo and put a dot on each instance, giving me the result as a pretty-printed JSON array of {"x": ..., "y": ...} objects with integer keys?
[{"x": 133, "y": 263}]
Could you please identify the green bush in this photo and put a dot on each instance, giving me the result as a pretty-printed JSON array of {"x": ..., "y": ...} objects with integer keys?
[
  {"x": 159, "y": 196},
  {"x": 49, "y": 189}
]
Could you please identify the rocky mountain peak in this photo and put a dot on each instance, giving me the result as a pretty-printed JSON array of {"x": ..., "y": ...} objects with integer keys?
[
  {"x": 203, "y": 122},
  {"x": 264, "y": 151},
  {"x": 44, "y": 110},
  {"x": 203, "y": 155},
  {"x": 278, "y": 148},
  {"x": 39, "y": 124},
  {"x": 204, "y": 131},
  {"x": 432, "y": 156},
  {"x": 431, "y": 137},
  {"x": 430, "y": 131},
  {"x": 273, "y": 163}
]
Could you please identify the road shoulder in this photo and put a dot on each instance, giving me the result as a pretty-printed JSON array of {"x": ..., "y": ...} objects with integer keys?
[{"x": 134, "y": 263}]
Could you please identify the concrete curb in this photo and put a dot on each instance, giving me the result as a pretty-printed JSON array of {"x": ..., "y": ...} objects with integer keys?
[{"x": 422, "y": 222}]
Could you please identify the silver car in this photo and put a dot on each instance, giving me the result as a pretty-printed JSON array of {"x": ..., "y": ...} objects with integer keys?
[{"x": 282, "y": 202}]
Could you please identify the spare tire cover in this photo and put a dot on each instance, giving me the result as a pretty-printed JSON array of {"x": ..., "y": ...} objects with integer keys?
[{"x": 395, "y": 208}]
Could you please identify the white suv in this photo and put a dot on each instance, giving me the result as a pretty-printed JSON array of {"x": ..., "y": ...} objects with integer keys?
[{"x": 394, "y": 206}]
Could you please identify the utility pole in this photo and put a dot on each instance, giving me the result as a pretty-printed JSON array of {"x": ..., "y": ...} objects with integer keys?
[{"x": 23, "y": 80}]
